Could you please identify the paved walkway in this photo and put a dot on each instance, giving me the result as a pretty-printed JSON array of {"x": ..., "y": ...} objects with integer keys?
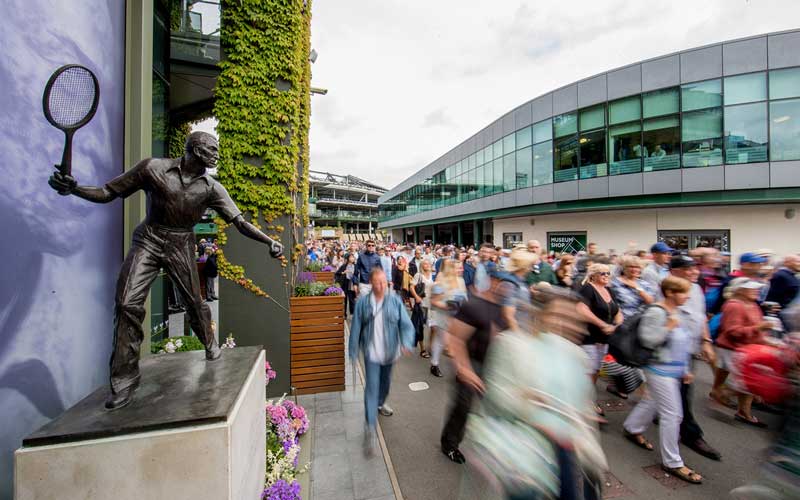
[
  {"x": 339, "y": 470},
  {"x": 411, "y": 443},
  {"x": 412, "y": 437}
]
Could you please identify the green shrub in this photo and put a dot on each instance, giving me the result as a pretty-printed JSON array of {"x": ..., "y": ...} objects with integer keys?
[
  {"x": 315, "y": 266},
  {"x": 187, "y": 344},
  {"x": 310, "y": 289}
]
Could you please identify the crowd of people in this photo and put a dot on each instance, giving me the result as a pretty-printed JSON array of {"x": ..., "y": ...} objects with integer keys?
[{"x": 530, "y": 332}]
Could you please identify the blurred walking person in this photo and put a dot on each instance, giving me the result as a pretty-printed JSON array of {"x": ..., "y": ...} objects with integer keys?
[
  {"x": 471, "y": 330},
  {"x": 533, "y": 433},
  {"x": 381, "y": 331},
  {"x": 447, "y": 293},
  {"x": 603, "y": 316},
  {"x": 661, "y": 329}
]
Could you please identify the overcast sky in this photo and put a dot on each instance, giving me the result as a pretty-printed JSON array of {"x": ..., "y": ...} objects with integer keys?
[{"x": 410, "y": 79}]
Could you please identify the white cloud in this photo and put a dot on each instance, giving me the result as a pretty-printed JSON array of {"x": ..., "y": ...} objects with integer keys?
[{"x": 410, "y": 80}]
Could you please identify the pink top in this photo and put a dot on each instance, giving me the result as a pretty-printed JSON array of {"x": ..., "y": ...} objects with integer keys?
[{"x": 739, "y": 325}]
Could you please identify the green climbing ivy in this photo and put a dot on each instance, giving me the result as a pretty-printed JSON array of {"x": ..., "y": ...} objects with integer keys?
[
  {"x": 262, "y": 103},
  {"x": 176, "y": 141}
]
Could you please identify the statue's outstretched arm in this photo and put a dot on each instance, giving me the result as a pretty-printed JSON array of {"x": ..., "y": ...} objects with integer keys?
[
  {"x": 66, "y": 184},
  {"x": 252, "y": 232}
]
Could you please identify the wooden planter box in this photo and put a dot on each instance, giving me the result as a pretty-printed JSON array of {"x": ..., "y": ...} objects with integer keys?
[
  {"x": 324, "y": 277},
  {"x": 317, "y": 343}
]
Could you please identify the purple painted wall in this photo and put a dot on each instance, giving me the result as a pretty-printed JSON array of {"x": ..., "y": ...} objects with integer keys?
[{"x": 59, "y": 255}]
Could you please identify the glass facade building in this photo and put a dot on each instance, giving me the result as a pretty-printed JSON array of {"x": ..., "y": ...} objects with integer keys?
[{"x": 674, "y": 117}]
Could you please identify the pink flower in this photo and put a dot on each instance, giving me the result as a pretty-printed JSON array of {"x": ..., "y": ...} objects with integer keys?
[
  {"x": 277, "y": 414},
  {"x": 271, "y": 374},
  {"x": 298, "y": 412}
]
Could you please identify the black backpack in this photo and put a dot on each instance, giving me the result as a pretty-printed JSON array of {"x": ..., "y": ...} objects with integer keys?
[{"x": 625, "y": 344}]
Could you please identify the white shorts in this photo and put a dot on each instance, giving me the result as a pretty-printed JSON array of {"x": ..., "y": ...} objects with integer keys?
[{"x": 595, "y": 353}]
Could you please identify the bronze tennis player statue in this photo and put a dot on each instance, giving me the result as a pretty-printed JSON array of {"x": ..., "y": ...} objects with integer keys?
[{"x": 178, "y": 192}]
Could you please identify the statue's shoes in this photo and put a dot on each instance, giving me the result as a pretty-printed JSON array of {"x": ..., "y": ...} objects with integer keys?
[
  {"x": 120, "y": 399},
  {"x": 214, "y": 353}
]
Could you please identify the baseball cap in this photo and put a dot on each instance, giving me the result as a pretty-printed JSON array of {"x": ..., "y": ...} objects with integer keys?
[
  {"x": 751, "y": 258},
  {"x": 661, "y": 247},
  {"x": 681, "y": 261}
]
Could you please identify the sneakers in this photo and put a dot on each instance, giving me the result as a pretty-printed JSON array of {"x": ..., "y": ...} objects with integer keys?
[
  {"x": 385, "y": 410},
  {"x": 436, "y": 372},
  {"x": 454, "y": 455}
]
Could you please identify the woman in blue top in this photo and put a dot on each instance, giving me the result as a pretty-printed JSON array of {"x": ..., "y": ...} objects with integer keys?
[
  {"x": 631, "y": 292},
  {"x": 660, "y": 329}
]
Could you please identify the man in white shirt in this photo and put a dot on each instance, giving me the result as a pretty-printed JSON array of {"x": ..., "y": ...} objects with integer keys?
[
  {"x": 381, "y": 330},
  {"x": 657, "y": 270}
]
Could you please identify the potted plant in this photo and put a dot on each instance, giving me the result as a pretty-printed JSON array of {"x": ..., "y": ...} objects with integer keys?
[{"x": 316, "y": 322}]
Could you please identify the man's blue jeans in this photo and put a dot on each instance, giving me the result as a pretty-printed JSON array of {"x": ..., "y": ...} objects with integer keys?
[{"x": 376, "y": 388}]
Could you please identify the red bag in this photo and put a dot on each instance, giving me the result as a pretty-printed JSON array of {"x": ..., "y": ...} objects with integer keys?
[{"x": 763, "y": 372}]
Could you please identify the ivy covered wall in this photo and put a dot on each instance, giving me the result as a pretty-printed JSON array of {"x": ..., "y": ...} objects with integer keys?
[{"x": 262, "y": 103}]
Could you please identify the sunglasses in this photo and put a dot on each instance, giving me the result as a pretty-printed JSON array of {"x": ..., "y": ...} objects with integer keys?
[{"x": 604, "y": 274}]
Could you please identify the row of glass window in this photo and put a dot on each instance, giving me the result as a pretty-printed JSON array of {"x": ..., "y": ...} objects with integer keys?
[{"x": 699, "y": 124}]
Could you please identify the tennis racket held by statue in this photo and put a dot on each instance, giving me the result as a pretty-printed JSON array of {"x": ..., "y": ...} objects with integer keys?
[{"x": 69, "y": 102}]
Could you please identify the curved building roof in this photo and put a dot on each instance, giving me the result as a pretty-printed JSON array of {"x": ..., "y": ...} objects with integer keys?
[{"x": 714, "y": 63}]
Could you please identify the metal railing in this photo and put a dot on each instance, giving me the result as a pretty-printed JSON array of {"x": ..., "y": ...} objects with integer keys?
[{"x": 195, "y": 31}]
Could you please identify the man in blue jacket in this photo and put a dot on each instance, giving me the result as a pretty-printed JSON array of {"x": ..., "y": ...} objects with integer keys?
[
  {"x": 784, "y": 286},
  {"x": 367, "y": 260},
  {"x": 381, "y": 330}
]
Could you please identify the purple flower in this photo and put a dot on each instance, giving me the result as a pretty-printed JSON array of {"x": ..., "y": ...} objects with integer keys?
[
  {"x": 333, "y": 290},
  {"x": 328, "y": 269},
  {"x": 305, "y": 277},
  {"x": 282, "y": 490}
]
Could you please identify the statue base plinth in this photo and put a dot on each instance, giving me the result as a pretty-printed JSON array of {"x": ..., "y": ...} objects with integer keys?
[{"x": 196, "y": 429}]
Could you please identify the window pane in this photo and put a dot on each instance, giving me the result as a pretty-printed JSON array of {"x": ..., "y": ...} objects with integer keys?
[
  {"x": 566, "y": 159},
  {"x": 702, "y": 138},
  {"x": 701, "y": 95},
  {"x": 508, "y": 144},
  {"x": 487, "y": 180},
  {"x": 592, "y": 118},
  {"x": 624, "y": 110},
  {"x": 660, "y": 102},
  {"x": 542, "y": 131},
  {"x": 565, "y": 124},
  {"x": 487, "y": 154},
  {"x": 784, "y": 130},
  {"x": 524, "y": 167},
  {"x": 497, "y": 149},
  {"x": 479, "y": 157},
  {"x": 593, "y": 154},
  {"x": 746, "y": 133},
  {"x": 661, "y": 143},
  {"x": 543, "y": 163},
  {"x": 471, "y": 161},
  {"x": 625, "y": 148},
  {"x": 784, "y": 83},
  {"x": 473, "y": 186},
  {"x": 509, "y": 173},
  {"x": 523, "y": 137},
  {"x": 746, "y": 88},
  {"x": 702, "y": 124},
  {"x": 497, "y": 166}
]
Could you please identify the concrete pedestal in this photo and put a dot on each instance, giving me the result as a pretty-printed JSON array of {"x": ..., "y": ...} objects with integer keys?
[{"x": 195, "y": 430}]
